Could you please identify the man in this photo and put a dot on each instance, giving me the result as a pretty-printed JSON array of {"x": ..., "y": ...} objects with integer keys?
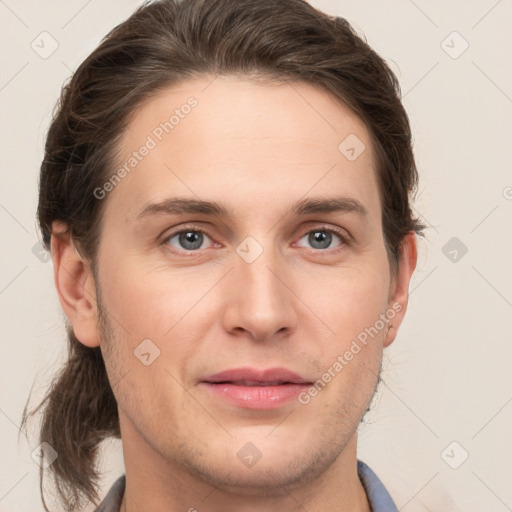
[{"x": 225, "y": 192}]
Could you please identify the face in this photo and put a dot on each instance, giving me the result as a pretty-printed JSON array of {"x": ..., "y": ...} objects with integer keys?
[{"x": 246, "y": 295}]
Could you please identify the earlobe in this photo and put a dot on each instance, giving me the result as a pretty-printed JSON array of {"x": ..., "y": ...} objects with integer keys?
[
  {"x": 74, "y": 282},
  {"x": 397, "y": 305}
]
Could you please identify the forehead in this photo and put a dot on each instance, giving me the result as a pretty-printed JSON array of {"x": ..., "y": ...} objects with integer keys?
[{"x": 243, "y": 143}]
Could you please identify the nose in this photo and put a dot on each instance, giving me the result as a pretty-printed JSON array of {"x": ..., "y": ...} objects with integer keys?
[{"x": 260, "y": 302}]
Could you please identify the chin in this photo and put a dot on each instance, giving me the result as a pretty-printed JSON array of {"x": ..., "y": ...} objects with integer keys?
[
  {"x": 274, "y": 476},
  {"x": 251, "y": 482}
]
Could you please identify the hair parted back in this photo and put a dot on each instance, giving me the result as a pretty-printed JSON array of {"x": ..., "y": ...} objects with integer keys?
[{"x": 163, "y": 43}]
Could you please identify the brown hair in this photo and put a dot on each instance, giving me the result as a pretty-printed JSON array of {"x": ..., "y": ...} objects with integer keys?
[{"x": 163, "y": 43}]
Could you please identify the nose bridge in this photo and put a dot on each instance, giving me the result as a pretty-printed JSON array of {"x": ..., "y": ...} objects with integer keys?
[
  {"x": 260, "y": 303},
  {"x": 260, "y": 281}
]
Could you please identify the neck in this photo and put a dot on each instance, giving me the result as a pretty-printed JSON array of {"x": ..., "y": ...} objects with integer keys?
[{"x": 154, "y": 484}]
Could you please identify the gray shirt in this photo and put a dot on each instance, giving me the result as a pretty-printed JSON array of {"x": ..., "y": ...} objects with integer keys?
[{"x": 378, "y": 496}]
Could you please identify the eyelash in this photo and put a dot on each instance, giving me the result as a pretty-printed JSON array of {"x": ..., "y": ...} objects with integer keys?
[{"x": 344, "y": 239}]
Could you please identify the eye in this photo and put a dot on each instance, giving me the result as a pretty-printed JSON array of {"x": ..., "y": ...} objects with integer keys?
[
  {"x": 322, "y": 238},
  {"x": 192, "y": 239},
  {"x": 188, "y": 240}
]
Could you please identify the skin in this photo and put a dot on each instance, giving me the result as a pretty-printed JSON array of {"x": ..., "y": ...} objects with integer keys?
[{"x": 257, "y": 149}]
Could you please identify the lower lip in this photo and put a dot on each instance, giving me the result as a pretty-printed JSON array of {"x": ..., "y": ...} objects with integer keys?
[{"x": 257, "y": 397}]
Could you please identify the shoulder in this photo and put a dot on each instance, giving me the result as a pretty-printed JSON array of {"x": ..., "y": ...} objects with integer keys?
[
  {"x": 378, "y": 496},
  {"x": 112, "y": 501}
]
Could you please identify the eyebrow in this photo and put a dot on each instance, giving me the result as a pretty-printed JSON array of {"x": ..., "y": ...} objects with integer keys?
[{"x": 304, "y": 207}]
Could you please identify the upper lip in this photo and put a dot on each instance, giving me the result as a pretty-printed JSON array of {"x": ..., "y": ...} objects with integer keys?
[{"x": 255, "y": 377}]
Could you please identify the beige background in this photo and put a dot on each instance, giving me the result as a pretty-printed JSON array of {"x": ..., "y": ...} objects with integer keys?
[{"x": 447, "y": 377}]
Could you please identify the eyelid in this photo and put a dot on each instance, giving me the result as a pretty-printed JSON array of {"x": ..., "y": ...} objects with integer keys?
[{"x": 320, "y": 226}]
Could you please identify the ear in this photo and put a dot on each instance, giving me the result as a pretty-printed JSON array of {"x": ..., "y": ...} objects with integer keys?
[
  {"x": 74, "y": 281},
  {"x": 399, "y": 292}
]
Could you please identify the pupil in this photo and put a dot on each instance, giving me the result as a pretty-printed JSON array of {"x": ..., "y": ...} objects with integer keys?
[
  {"x": 191, "y": 240},
  {"x": 320, "y": 237}
]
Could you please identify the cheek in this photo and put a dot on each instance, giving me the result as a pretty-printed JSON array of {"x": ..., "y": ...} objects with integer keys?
[
  {"x": 145, "y": 301},
  {"x": 169, "y": 308},
  {"x": 354, "y": 300},
  {"x": 351, "y": 356}
]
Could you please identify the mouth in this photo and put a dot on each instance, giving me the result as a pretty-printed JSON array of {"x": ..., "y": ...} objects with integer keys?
[
  {"x": 253, "y": 382},
  {"x": 252, "y": 388}
]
